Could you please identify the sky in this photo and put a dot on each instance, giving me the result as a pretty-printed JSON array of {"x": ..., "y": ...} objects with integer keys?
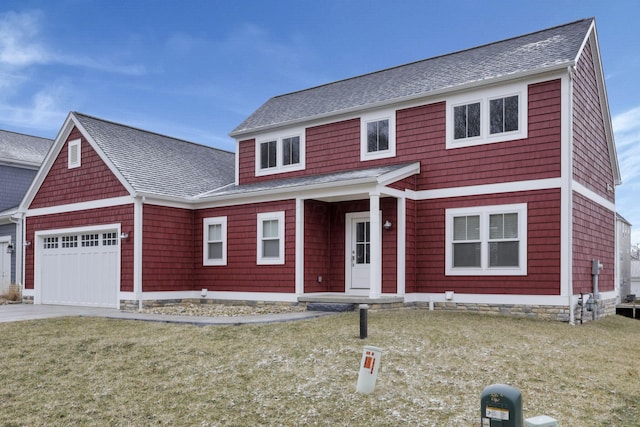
[{"x": 196, "y": 69}]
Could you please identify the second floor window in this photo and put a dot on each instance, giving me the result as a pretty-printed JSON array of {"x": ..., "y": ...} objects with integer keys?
[
  {"x": 275, "y": 154},
  {"x": 503, "y": 114},
  {"x": 377, "y": 136},
  {"x": 466, "y": 121}
]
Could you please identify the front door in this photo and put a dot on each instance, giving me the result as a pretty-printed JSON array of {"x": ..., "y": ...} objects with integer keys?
[{"x": 358, "y": 251}]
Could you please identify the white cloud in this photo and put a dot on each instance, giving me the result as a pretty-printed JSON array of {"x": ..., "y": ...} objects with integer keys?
[
  {"x": 41, "y": 112},
  {"x": 626, "y": 127},
  {"x": 19, "y": 45}
]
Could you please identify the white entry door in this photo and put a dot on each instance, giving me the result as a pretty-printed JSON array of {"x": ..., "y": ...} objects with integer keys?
[
  {"x": 358, "y": 252},
  {"x": 5, "y": 268}
]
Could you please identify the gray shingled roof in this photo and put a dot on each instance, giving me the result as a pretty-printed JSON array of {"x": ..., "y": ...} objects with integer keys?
[
  {"x": 331, "y": 179},
  {"x": 553, "y": 47},
  {"x": 158, "y": 164},
  {"x": 20, "y": 148}
]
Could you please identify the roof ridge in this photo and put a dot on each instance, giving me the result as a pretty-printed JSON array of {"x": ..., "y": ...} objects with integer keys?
[
  {"x": 444, "y": 55},
  {"x": 27, "y": 135},
  {"x": 149, "y": 132}
]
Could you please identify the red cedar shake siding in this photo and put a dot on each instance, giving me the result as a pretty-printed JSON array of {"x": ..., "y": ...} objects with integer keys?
[
  {"x": 593, "y": 238},
  {"x": 93, "y": 180},
  {"x": 543, "y": 251},
  {"x": 593, "y": 225},
  {"x": 421, "y": 137},
  {"x": 168, "y": 249},
  {"x": 591, "y": 163},
  {"x": 242, "y": 274},
  {"x": 112, "y": 215}
]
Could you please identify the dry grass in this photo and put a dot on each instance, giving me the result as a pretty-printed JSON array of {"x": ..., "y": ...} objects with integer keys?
[
  {"x": 81, "y": 371},
  {"x": 14, "y": 294}
]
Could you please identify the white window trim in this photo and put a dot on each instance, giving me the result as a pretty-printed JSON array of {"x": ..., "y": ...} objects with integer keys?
[
  {"x": 484, "y": 97},
  {"x": 221, "y": 220},
  {"x": 71, "y": 162},
  {"x": 279, "y": 216},
  {"x": 278, "y": 137},
  {"x": 374, "y": 117},
  {"x": 484, "y": 212}
]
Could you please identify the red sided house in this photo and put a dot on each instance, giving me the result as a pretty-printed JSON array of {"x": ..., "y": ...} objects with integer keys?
[{"x": 483, "y": 179}]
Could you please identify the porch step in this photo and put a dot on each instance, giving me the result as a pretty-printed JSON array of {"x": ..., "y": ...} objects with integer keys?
[{"x": 330, "y": 307}]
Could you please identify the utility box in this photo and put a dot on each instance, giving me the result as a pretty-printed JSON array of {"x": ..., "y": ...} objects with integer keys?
[{"x": 501, "y": 406}]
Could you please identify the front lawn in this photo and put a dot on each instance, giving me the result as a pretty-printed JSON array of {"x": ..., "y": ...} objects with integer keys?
[{"x": 84, "y": 371}]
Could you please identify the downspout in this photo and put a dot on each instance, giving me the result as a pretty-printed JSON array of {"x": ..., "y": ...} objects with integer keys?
[
  {"x": 569, "y": 189},
  {"x": 137, "y": 248}
]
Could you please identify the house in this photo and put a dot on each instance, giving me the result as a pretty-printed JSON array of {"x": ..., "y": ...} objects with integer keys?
[
  {"x": 623, "y": 260},
  {"x": 479, "y": 180},
  {"x": 20, "y": 158}
]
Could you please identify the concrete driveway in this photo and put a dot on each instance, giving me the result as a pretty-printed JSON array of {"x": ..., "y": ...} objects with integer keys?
[{"x": 22, "y": 312}]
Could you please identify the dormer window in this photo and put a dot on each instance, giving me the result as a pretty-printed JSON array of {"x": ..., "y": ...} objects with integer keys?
[
  {"x": 276, "y": 154},
  {"x": 74, "y": 154}
]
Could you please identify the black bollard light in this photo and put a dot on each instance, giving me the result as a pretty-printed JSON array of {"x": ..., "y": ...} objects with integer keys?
[{"x": 364, "y": 308}]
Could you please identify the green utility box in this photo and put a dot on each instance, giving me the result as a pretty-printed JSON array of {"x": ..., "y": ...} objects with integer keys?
[{"x": 501, "y": 406}]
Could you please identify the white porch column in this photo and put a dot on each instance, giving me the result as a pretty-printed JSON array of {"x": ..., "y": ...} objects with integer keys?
[
  {"x": 375, "y": 246},
  {"x": 299, "y": 286},
  {"x": 402, "y": 244}
]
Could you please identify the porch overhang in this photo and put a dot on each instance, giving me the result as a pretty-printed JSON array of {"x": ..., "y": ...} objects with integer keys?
[{"x": 327, "y": 187}]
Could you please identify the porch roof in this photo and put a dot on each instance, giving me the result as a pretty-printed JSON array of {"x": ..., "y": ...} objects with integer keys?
[{"x": 381, "y": 175}]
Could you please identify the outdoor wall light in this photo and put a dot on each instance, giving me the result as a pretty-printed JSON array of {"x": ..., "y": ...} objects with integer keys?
[
  {"x": 124, "y": 235},
  {"x": 387, "y": 225},
  {"x": 27, "y": 243},
  {"x": 10, "y": 248}
]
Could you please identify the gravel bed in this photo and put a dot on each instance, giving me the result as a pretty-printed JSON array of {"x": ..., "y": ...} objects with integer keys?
[{"x": 221, "y": 310}]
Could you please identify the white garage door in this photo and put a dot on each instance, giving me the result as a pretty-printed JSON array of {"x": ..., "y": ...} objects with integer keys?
[{"x": 80, "y": 268}]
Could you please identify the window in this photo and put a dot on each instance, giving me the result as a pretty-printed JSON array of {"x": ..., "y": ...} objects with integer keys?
[
  {"x": 268, "y": 153},
  {"x": 291, "y": 151},
  {"x": 215, "y": 241},
  {"x": 378, "y": 135},
  {"x": 503, "y": 114},
  {"x": 270, "y": 238},
  {"x": 110, "y": 239},
  {"x": 74, "y": 154},
  {"x": 69, "y": 241},
  {"x": 489, "y": 240},
  {"x": 488, "y": 116},
  {"x": 280, "y": 153},
  {"x": 88, "y": 240},
  {"x": 50, "y": 242},
  {"x": 466, "y": 120}
]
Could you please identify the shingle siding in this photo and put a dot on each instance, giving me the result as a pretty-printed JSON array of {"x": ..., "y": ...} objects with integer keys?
[{"x": 15, "y": 183}]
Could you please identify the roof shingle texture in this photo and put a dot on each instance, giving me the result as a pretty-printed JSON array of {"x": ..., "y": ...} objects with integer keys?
[
  {"x": 531, "y": 52},
  {"x": 16, "y": 147},
  {"x": 157, "y": 164}
]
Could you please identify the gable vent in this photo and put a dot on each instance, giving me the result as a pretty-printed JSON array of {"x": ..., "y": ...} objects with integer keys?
[{"x": 74, "y": 153}]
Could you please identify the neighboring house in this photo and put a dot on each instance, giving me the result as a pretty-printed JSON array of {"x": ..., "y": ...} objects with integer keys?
[
  {"x": 480, "y": 180},
  {"x": 20, "y": 158},
  {"x": 623, "y": 267},
  {"x": 635, "y": 278}
]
